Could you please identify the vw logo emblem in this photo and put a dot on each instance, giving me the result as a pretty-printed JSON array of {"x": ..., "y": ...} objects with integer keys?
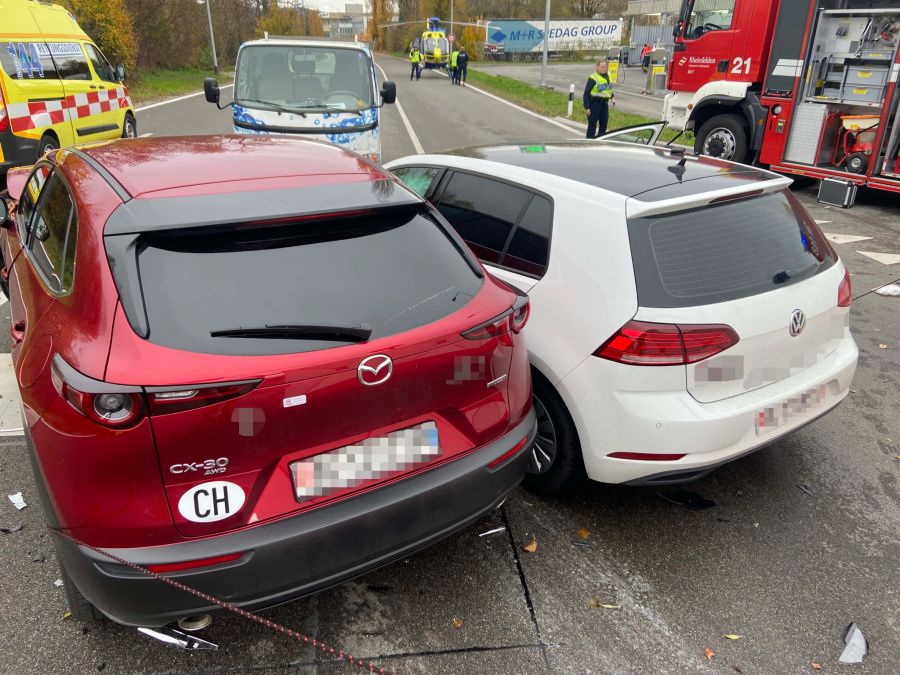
[
  {"x": 798, "y": 322},
  {"x": 374, "y": 370}
]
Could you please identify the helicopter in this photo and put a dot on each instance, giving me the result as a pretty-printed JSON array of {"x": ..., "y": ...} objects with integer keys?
[{"x": 433, "y": 36}]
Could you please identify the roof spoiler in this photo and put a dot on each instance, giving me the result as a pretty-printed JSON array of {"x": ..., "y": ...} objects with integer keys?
[{"x": 637, "y": 208}]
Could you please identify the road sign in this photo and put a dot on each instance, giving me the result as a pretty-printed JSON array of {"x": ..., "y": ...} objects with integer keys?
[{"x": 451, "y": 38}]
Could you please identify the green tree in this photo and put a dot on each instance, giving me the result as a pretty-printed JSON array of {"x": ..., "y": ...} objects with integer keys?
[{"x": 109, "y": 25}]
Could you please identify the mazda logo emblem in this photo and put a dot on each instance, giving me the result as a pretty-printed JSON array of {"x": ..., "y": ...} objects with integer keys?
[
  {"x": 798, "y": 322},
  {"x": 374, "y": 370}
]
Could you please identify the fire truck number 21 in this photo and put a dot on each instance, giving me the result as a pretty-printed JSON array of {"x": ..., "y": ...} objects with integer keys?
[{"x": 740, "y": 65}]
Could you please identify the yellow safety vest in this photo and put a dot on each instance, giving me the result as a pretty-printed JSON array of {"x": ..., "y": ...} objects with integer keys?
[
  {"x": 453, "y": 57},
  {"x": 414, "y": 56},
  {"x": 602, "y": 86}
]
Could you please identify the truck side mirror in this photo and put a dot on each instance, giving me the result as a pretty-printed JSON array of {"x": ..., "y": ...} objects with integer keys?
[
  {"x": 120, "y": 72},
  {"x": 388, "y": 92},
  {"x": 211, "y": 89}
]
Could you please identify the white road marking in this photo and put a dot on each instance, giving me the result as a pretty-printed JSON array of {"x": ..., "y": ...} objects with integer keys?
[
  {"x": 822, "y": 222},
  {"x": 176, "y": 99},
  {"x": 844, "y": 238},
  {"x": 3, "y": 300},
  {"x": 883, "y": 258},
  {"x": 504, "y": 101},
  {"x": 10, "y": 407},
  {"x": 149, "y": 133},
  {"x": 406, "y": 123}
]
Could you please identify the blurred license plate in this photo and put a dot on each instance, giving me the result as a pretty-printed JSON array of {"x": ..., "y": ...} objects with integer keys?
[
  {"x": 371, "y": 459},
  {"x": 794, "y": 407}
]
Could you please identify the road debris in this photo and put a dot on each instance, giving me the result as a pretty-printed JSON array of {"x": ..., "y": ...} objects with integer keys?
[
  {"x": 583, "y": 533},
  {"x": 687, "y": 499},
  {"x": 815, "y": 666},
  {"x": 496, "y": 530},
  {"x": 457, "y": 622},
  {"x": 58, "y": 583},
  {"x": 732, "y": 636},
  {"x": 17, "y": 500},
  {"x": 38, "y": 557},
  {"x": 709, "y": 654},
  {"x": 805, "y": 488},
  {"x": 595, "y": 603},
  {"x": 891, "y": 290},
  {"x": 67, "y": 615},
  {"x": 11, "y": 528},
  {"x": 882, "y": 346},
  {"x": 530, "y": 547},
  {"x": 856, "y": 645},
  {"x": 173, "y": 636}
]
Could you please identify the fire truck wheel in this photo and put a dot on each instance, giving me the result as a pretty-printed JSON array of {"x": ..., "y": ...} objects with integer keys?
[
  {"x": 722, "y": 136},
  {"x": 857, "y": 162}
]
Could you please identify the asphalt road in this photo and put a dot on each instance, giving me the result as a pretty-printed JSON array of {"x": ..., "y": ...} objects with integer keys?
[{"x": 786, "y": 568}]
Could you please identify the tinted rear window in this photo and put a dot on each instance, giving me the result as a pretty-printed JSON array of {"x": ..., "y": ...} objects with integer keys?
[
  {"x": 719, "y": 253},
  {"x": 393, "y": 272}
]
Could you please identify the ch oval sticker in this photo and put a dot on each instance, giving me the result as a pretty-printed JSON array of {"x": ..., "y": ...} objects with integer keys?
[{"x": 212, "y": 501}]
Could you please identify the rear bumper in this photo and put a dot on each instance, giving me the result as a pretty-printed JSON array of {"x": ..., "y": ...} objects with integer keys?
[
  {"x": 661, "y": 421},
  {"x": 307, "y": 553}
]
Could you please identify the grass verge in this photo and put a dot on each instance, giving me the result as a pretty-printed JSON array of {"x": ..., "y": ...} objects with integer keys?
[
  {"x": 553, "y": 103},
  {"x": 151, "y": 85}
]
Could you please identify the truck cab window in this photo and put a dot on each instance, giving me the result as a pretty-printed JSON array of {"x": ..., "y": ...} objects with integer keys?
[{"x": 708, "y": 15}]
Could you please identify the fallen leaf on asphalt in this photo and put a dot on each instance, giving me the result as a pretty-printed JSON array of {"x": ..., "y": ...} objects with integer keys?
[
  {"x": 611, "y": 606},
  {"x": 457, "y": 622},
  {"x": 882, "y": 346},
  {"x": 816, "y": 666},
  {"x": 897, "y": 457},
  {"x": 530, "y": 547},
  {"x": 732, "y": 636},
  {"x": 708, "y": 653},
  {"x": 67, "y": 614},
  {"x": 593, "y": 603},
  {"x": 583, "y": 533}
]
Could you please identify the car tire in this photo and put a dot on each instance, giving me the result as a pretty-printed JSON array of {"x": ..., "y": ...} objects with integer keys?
[
  {"x": 556, "y": 462},
  {"x": 81, "y": 607},
  {"x": 48, "y": 144},
  {"x": 724, "y": 137},
  {"x": 129, "y": 126}
]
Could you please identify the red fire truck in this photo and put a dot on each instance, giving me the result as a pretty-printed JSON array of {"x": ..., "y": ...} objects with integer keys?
[{"x": 807, "y": 87}]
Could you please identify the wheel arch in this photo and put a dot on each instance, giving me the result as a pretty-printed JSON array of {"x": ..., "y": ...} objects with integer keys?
[{"x": 747, "y": 107}]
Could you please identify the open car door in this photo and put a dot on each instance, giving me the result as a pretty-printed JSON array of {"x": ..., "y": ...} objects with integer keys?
[{"x": 641, "y": 134}]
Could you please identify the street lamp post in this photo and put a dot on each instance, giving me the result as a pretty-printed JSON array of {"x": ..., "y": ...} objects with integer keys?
[
  {"x": 212, "y": 36},
  {"x": 546, "y": 38}
]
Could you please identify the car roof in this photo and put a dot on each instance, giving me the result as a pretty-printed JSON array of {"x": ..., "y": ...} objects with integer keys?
[
  {"x": 300, "y": 41},
  {"x": 143, "y": 166},
  {"x": 626, "y": 169}
]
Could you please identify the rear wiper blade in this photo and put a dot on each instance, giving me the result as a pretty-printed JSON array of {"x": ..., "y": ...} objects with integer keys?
[
  {"x": 351, "y": 332},
  {"x": 784, "y": 275}
]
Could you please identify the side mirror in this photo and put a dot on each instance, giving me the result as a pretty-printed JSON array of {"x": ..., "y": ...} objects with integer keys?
[
  {"x": 388, "y": 92},
  {"x": 120, "y": 72},
  {"x": 211, "y": 89}
]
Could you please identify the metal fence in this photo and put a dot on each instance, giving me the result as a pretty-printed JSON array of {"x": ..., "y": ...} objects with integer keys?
[{"x": 661, "y": 35}]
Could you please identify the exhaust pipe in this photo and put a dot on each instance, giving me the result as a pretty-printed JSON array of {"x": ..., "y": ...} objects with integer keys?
[{"x": 194, "y": 622}]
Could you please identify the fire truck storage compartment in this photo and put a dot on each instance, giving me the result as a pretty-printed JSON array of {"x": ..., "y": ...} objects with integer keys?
[{"x": 850, "y": 70}]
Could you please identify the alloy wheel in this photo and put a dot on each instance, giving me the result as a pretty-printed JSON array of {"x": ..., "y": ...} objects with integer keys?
[{"x": 543, "y": 453}]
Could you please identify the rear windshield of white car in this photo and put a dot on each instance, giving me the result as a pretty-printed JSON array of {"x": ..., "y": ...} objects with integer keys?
[
  {"x": 304, "y": 286},
  {"x": 304, "y": 77},
  {"x": 725, "y": 251}
]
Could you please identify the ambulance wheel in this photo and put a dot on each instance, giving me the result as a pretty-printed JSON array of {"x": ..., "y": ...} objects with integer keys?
[
  {"x": 129, "y": 127},
  {"x": 724, "y": 137},
  {"x": 857, "y": 162},
  {"x": 48, "y": 144}
]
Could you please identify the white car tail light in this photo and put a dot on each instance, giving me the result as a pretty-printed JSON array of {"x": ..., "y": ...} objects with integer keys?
[
  {"x": 845, "y": 291},
  {"x": 641, "y": 343}
]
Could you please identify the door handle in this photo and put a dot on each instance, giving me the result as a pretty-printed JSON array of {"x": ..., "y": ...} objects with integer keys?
[
  {"x": 17, "y": 331},
  {"x": 93, "y": 86}
]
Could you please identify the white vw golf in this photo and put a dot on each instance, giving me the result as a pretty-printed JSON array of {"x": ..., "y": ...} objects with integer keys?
[{"x": 685, "y": 310}]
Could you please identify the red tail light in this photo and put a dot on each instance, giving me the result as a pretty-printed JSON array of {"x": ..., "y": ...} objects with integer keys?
[
  {"x": 513, "y": 319},
  {"x": 4, "y": 116},
  {"x": 163, "y": 401},
  {"x": 641, "y": 343},
  {"x": 845, "y": 292},
  {"x": 111, "y": 409}
]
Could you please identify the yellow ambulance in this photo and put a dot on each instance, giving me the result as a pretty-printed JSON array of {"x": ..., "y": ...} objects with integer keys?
[{"x": 56, "y": 87}]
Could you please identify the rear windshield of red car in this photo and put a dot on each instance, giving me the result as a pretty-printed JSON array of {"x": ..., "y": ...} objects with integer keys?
[
  {"x": 726, "y": 251},
  {"x": 387, "y": 273}
]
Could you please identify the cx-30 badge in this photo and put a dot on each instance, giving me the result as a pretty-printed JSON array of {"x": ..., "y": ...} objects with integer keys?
[
  {"x": 798, "y": 322},
  {"x": 374, "y": 370}
]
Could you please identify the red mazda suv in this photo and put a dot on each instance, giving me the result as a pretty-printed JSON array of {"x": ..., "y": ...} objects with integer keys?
[{"x": 258, "y": 364}]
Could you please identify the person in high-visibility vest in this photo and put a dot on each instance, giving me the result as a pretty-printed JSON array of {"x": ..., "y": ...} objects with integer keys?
[
  {"x": 415, "y": 57},
  {"x": 598, "y": 94},
  {"x": 454, "y": 72}
]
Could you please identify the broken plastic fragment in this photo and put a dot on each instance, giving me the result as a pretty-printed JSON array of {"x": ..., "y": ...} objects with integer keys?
[
  {"x": 686, "y": 498},
  {"x": 496, "y": 530},
  {"x": 58, "y": 583},
  {"x": 891, "y": 290},
  {"x": 856, "y": 648},
  {"x": 11, "y": 528},
  {"x": 804, "y": 487},
  {"x": 180, "y": 639},
  {"x": 732, "y": 636},
  {"x": 17, "y": 500}
]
